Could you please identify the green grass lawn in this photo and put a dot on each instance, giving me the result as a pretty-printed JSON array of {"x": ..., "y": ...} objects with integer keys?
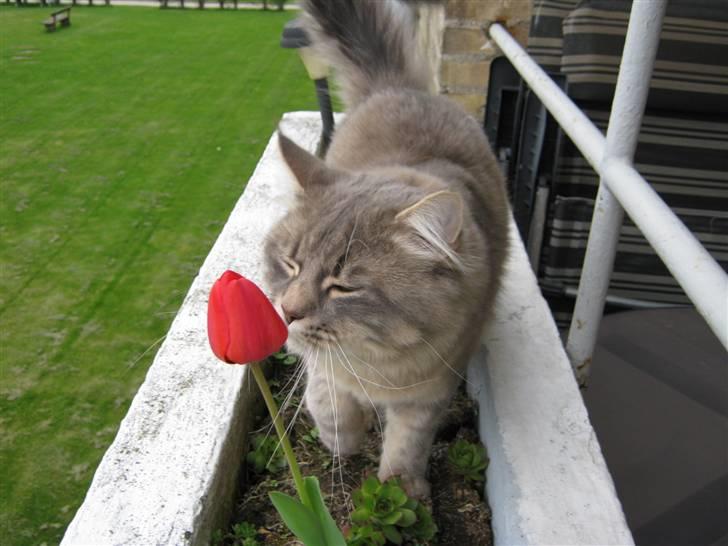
[{"x": 125, "y": 141}]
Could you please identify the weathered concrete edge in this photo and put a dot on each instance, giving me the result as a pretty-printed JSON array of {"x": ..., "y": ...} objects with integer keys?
[
  {"x": 169, "y": 475},
  {"x": 547, "y": 482}
]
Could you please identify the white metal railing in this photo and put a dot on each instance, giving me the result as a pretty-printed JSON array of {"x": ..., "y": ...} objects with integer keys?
[{"x": 622, "y": 187}]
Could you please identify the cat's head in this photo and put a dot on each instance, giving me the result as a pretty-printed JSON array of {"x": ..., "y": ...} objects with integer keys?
[{"x": 369, "y": 260}]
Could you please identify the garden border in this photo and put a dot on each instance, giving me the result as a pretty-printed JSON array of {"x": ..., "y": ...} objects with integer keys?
[{"x": 170, "y": 474}]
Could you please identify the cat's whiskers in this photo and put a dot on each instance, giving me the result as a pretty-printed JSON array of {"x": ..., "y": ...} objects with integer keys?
[
  {"x": 296, "y": 377},
  {"x": 298, "y": 374},
  {"x": 154, "y": 344},
  {"x": 368, "y": 365},
  {"x": 332, "y": 398},
  {"x": 392, "y": 387},
  {"x": 338, "y": 446},
  {"x": 439, "y": 356},
  {"x": 374, "y": 407}
]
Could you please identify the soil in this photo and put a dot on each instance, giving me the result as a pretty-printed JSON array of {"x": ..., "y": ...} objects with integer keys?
[{"x": 458, "y": 508}]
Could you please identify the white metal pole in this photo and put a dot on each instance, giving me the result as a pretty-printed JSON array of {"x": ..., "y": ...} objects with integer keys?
[{"x": 625, "y": 120}]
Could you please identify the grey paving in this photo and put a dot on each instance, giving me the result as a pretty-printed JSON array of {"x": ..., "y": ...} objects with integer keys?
[{"x": 658, "y": 400}]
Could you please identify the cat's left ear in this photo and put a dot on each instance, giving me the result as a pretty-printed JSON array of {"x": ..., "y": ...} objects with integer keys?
[
  {"x": 438, "y": 219},
  {"x": 308, "y": 169}
]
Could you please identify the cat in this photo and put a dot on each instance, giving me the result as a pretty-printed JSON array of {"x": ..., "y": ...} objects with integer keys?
[{"x": 387, "y": 266}]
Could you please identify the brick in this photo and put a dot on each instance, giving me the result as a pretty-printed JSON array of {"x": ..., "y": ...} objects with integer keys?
[
  {"x": 488, "y": 10},
  {"x": 466, "y": 74},
  {"x": 464, "y": 9},
  {"x": 463, "y": 40},
  {"x": 520, "y": 31},
  {"x": 473, "y": 104}
]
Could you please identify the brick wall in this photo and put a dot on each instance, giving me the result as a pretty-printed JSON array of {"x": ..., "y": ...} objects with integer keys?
[{"x": 465, "y": 50}]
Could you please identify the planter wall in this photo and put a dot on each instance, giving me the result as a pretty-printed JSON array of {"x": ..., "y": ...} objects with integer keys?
[{"x": 169, "y": 476}]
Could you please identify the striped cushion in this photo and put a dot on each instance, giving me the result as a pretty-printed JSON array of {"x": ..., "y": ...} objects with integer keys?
[
  {"x": 545, "y": 38},
  {"x": 691, "y": 70},
  {"x": 685, "y": 160}
]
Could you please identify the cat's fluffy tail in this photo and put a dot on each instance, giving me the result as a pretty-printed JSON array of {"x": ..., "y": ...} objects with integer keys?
[{"x": 371, "y": 44}]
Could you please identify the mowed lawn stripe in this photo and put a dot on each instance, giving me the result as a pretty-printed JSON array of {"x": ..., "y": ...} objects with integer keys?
[{"x": 125, "y": 141}]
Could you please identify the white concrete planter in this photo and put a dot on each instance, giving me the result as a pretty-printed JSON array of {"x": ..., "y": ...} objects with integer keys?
[{"x": 169, "y": 476}]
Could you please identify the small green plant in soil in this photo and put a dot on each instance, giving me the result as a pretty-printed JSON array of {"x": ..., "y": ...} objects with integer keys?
[
  {"x": 264, "y": 455},
  {"x": 468, "y": 459},
  {"x": 385, "y": 508},
  {"x": 243, "y": 534},
  {"x": 311, "y": 436},
  {"x": 284, "y": 358}
]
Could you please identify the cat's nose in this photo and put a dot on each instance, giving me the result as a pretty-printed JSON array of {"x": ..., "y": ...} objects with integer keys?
[{"x": 291, "y": 315}]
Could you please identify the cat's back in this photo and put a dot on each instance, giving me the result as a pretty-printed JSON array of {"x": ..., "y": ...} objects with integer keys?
[{"x": 433, "y": 134}]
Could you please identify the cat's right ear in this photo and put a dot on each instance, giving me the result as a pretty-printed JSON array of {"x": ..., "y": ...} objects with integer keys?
[{"x": 307, "y": 169}]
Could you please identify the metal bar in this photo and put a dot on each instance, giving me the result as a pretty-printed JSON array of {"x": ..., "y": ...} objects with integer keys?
[
  {"x": 573, "y": 121},
  {"x": 625, "y": 121},
  {"x": 327, "y": 115},
  {"x": 703, "y": 280},
  {"x": 705, "y": 283}
]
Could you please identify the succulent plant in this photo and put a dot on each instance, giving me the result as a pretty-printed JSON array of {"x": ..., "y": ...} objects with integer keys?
[
  {"x": 468, "y": 459},
  {"x": 365, "y": 535},
  {"x": 390, "y": 513},
  {"x": 384, "y": 505}
]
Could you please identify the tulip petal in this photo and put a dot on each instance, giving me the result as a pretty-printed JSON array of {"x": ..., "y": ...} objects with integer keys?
[
  {"x": 217, "y": 323},
  {"x": 240, "y": 335}
]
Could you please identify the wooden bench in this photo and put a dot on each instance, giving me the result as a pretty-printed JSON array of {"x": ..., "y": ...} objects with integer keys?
[{"x": 62, "y": 16}]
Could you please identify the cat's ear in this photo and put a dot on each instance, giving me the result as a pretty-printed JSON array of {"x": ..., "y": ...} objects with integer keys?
[
  {"x": 438, "y": 219},
  {"x": 307, "y": 169}
]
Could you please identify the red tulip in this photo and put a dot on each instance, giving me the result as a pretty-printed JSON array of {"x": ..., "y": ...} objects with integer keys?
[{"x": 242, "y": 325}]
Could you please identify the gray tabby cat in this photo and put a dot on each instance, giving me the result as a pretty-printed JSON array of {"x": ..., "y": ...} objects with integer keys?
[{"x": 387, "y": 267}]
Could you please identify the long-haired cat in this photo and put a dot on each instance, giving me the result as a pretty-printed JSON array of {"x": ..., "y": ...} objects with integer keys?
[{"x": 387, "y": 266}]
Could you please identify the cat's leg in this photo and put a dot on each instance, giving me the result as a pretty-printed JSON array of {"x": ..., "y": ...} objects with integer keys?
[
  {"x": 408, "y": 438},
  {"x": 340, "y": 418}
]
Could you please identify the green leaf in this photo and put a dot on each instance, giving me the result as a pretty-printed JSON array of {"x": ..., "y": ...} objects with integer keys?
[
  {"x": 408, "y": 517},
  {"x": 290, "y": 359},
  {"x": 331, "y": 532},
  {"x": 398, "y": 496},
  {"x": 411, "y": 504},
  {"x": 370, "y": 486},
  {"x": 392, "y": 518},
  {"x": 361, "y": 515},
  {"x": 392, "y": 534},
  {"x": 300, "y": 520},
  {"x": 424, "y": 528}
]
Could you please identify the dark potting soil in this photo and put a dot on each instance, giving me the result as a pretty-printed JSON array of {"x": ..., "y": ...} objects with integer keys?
[{"x": 458, "y": 508}]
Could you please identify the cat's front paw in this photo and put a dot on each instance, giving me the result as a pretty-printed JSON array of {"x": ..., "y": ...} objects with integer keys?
[{"x": 416, "y": 487}]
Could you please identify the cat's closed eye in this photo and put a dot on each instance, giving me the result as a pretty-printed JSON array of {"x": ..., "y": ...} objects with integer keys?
[
  {"x": 334, "y": 288},
  {"x": 291, "y": 266}
]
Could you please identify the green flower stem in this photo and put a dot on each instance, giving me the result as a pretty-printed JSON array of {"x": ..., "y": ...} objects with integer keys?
[{"x": 281, "y": 430}]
